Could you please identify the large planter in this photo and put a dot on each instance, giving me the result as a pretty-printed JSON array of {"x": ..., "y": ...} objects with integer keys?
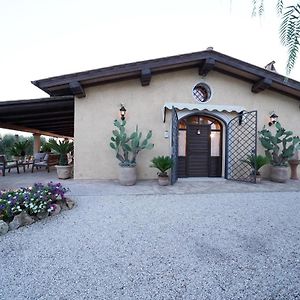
[
  {"x": 127, "y": 175},
  {"x": 64, "y": 172},
  {"x": 163, "y": 180},
  {"x": 279, "y": 174},
  {"x": 294, "y": 162}
]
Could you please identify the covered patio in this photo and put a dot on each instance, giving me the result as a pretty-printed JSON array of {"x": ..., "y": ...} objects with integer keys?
[{"x": 52, "y": 116}]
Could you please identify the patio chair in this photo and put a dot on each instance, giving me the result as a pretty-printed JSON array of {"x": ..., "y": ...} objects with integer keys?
[
  {"x": 8, "y": 164},
  {"x": 40, "y": 160},
  {"x": 44, "y": 160}
]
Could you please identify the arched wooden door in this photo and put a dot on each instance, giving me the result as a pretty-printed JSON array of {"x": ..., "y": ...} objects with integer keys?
[{"x": 200, "y": 147}]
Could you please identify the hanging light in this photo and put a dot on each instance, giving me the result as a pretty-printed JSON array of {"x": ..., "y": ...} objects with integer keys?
[
  {"x": 273, "y": 119},
  {"x": 122, "y": 112}
]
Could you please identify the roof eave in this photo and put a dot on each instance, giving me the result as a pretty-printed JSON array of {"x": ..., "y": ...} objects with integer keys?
[{"x": 204, "y": 60}]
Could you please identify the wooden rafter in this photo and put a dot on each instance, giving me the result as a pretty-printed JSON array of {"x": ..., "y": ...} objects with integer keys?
[
  {"x": 145, "y": 76},
  {"x": 207, "y": 66},
  {"x": 261, "y": 85},
  {"x": 77, "y": 89}
]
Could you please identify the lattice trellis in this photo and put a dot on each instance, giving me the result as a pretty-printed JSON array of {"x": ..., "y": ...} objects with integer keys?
[{"x": 241, "y": 141}]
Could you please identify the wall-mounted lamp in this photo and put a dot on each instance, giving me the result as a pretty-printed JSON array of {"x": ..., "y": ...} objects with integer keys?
[
  {"x": 122, "y": 112},
  {"x": 273, "y": 119}
]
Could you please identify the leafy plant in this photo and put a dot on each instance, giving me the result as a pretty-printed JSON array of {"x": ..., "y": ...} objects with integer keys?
[
  {"x": 289, "y": 31},
  {"x": 46, "y": 147},
  {"x": 127, "y": 147},
  {"x": 279, "y": 147},
  {"x": 256, "y": 162},
  {"x": 19, "y": 148},
  {"x": 62, "y": 148},
  {"x": 163, "y": 164}
]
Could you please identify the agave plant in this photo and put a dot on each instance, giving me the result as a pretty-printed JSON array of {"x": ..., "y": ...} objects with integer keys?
[
  {"x": 62, "y": 148},
  {"x": 163, "y": 164}
]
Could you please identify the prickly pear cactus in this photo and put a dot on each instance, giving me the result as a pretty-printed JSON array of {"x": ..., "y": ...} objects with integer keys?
[
  {"x": 126, "y": 146},
  {"x": 279, "y": 147}
]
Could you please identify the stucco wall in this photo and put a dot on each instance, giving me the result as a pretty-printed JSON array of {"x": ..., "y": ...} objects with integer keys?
[{"x": 94, "y": 115}]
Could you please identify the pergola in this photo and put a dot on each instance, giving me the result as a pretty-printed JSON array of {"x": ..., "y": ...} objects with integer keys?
[{"x": 52, "y": 116}]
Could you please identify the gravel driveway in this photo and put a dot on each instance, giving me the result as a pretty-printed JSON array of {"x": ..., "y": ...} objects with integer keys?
[{"x": 194, "y": 246}]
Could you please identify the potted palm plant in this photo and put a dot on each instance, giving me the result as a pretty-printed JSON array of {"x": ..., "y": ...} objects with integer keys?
[
  {"x": 279, "y": 149},
  {"x": 127, "y": 147},
  {"x": 64, "y": 170},
  {"x": 19, "y": 149},
  {"x": 256, "y": 162},
  {"x": 163, "y": 164}
]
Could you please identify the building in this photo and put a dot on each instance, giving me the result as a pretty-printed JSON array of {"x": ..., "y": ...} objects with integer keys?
[{"x": 218, "y": 104}]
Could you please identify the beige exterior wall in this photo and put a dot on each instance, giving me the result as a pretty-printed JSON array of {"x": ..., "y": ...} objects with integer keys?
[{"x": 94, "y": 115}]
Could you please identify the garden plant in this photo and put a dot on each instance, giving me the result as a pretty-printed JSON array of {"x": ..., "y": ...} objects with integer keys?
[{"x": 33, "y": 200}]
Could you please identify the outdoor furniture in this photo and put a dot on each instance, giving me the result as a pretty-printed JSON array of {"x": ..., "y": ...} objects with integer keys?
[
  {"x": 8, "y": 164},
  {"x": 44, "y": 160},
  {"x": 26, "y": 162}
]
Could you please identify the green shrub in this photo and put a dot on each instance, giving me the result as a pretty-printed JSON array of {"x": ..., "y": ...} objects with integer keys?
[{"x": 163, "y": 164}]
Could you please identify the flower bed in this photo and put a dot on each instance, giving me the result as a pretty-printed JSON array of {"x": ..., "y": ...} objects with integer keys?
[{"x": 27, "y": 205}]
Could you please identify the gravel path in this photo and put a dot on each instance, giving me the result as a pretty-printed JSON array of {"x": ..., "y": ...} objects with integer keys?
[{"x": 209, "y": 246}]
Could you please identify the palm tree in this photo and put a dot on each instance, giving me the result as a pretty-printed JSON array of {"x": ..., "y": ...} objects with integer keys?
[{"x": 289, "y": 31}]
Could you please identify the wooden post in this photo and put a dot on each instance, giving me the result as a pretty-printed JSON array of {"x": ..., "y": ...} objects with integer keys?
[{"x": 36, "y": 143}]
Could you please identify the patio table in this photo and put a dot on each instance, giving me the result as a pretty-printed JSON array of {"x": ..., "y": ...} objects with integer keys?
[{"x": 25, "y": 162}]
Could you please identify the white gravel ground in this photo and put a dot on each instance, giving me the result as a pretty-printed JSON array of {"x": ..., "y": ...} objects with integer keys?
[{"x": 205, "y": 246}]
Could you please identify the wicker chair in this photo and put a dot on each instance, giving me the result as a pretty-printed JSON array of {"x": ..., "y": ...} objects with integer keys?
[{"x": 8, "y": 164}]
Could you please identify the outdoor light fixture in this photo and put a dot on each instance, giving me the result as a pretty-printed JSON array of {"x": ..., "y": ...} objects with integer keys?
[
  {"x": 122, "y": 112},
  {"x": 273, "y": 119}
]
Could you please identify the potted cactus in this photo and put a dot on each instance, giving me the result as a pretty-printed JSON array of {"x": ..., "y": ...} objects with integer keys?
[
  {"x": 127, "y": 147},
  {"x": 279, "y": 148},
  {"x": 163, "y": 164}
]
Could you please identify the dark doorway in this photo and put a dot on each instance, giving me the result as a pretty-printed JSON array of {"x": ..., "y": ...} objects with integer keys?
[{"x": 200, "y": 147}]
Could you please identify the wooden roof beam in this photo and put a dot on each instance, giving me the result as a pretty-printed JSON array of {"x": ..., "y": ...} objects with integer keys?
[
  {"x": 261, "y": 85},
  {"x": 77, "y": 89},
  {"x": 41, "y": 115},
  {"x": 207, "y": 66},
  {"x": 32, "y": 130},
  {"x": 146, "y": 77},
  {"x": 42, "y": 122}
]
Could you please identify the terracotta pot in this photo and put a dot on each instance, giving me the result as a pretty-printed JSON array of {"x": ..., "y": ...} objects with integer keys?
[
  {"x": 279, "y": 174},
  {"x": 163, "y": 180},
  {"x": 258, "y": 178},
  {"x": 64, "y": 172},
  {"x": 296, "y": 156},
  {"x": 127, "y": 175}
]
